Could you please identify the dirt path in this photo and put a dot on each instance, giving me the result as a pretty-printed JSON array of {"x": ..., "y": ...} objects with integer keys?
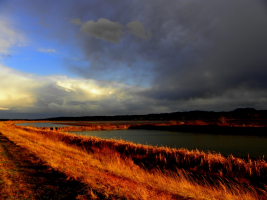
[{"x": 24, "y": 176}]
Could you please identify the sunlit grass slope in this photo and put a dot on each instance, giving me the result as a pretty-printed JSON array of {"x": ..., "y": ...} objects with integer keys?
[{"x": 111, "y": 169}]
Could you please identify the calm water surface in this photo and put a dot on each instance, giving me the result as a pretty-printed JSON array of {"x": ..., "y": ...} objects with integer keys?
[
  {"x": 255, "y": 146},
  {"x": 236, "y": 145}
]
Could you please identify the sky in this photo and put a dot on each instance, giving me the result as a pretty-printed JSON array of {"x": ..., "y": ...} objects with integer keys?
[{"x": 91, "y": 58}]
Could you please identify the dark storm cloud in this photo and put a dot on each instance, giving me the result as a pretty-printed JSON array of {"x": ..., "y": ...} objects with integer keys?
[
  {"x": 136, "y": 28},
  {"x": 112, "y": 31},
  {"x": 191, "y": 54},
  {"x": 103, "y": 29},
  {"x": 75, "y": 103},
  {"x": 199, "y": 49}
]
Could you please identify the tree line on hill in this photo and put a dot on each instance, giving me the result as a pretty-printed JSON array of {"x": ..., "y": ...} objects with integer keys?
[{"x": 240, "y": 113}]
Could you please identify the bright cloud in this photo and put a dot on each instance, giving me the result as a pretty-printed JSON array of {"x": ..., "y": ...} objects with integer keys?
[
  {"x": 59, "y": 94},
  {"x": 67, "y": 86},
  {"x": 1, "y": 108},
  {"x": 17, "y": 90}
]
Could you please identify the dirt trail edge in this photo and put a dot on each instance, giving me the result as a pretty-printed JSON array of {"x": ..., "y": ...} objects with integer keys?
[{"x": 25, "y": 176}]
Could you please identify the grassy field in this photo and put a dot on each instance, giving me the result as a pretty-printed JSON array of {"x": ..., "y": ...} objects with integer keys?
[{"x": 45, "y": 164}]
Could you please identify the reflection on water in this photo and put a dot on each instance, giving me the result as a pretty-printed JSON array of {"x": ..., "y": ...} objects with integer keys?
[{"x": 236, "y": 145}]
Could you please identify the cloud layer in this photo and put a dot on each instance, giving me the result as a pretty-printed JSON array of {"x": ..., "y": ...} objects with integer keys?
[
  {"x": 8, "y": 37},
  {"x": 63, "y": 96},
  {"x": 153, "y": 56},
  {"x": 103, "y": 29},
  {"x": 112, "y": 31},
  {"x": 198, "y": 50},
  {"x": 38, "y": 97}
]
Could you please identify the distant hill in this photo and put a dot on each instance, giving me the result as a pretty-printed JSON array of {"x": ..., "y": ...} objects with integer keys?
[{"x": 240, "y": 113}]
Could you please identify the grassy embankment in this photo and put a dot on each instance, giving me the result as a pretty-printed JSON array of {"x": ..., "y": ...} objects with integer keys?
[{"x": 121, "y": 170}]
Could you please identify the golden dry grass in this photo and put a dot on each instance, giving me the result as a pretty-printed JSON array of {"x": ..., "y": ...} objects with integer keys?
[
  {"x": 12, "y": 181},
  {"x": 108, "y": 168},
  {"x": 211, "y": 164}
]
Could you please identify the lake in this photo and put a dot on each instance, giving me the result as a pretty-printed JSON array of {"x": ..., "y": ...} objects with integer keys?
[{"x": 236, "y": 145}]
